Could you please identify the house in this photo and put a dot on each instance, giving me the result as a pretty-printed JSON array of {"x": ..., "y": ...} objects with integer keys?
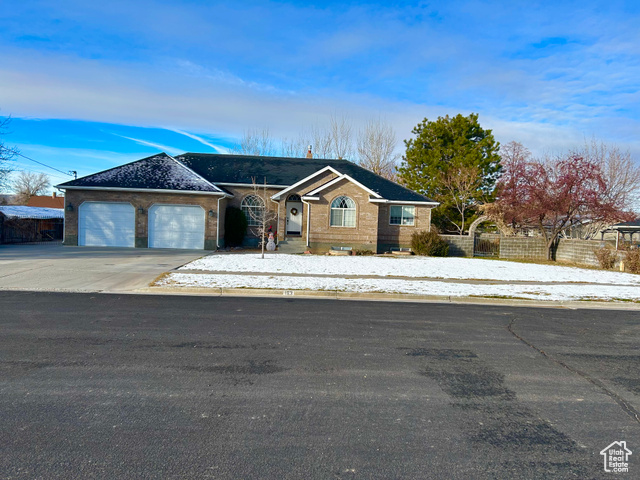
[
  {"x": 22, "y": 224},
  {"x": 166, "y": 202},
  {"x": 46, "y": 201},
  {"x": 7, "y": 199}
]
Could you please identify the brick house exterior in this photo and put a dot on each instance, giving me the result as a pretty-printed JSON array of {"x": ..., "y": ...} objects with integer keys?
[{"x": 323, "y": 203}]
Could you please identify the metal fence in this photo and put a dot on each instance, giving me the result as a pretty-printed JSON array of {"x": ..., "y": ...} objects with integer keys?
[{"x": 486, "y": 247}]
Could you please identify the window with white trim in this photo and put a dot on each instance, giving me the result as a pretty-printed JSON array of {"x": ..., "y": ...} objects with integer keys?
[
  {"x": 252, "y": 206},
  {"x": 402, "y": 215},
  {"x": 343, "y": 212}
]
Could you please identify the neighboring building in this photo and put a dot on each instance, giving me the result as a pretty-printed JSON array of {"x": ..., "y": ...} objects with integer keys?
[
  {"x": 631, "y": 228},
  {"x": 167, "y": 202},
  {"x": 21, "y": 224},
  {"x": 46, "y": 201},
  {"x": 6, "y": 199}
]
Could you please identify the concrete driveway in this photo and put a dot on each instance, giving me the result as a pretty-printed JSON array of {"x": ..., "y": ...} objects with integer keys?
[{"x": 86, "y": 269}]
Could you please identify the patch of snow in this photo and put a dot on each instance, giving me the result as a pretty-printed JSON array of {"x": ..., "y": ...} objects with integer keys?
[
  {"x": 422, "y": 287},
  {"x": 415, "y": 267},
  {"x": 161, "y": 170},
  {"x": 18, "y": 211}
]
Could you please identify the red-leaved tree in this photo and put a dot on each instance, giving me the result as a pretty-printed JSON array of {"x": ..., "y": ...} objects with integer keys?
[{"x": 552, "y": 194}]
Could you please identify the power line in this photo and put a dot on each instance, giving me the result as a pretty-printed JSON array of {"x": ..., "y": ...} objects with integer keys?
[
  {"x": 28, "y": 168},
  {"x": 44, "y": 164}
]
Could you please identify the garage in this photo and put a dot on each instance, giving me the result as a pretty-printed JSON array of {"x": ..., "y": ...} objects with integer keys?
[
  {"x": 176, "y": 226},
  {"x": 106, "y": 224}
]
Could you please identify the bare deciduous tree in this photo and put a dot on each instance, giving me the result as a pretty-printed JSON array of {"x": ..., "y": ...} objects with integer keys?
[
  {"x": 621, "y": 175},
  {"x": 340, "y": 132},
  {"x": 28, "y": 184},
  {"x": 6, "y": 154},
  {"x": 553, "y": 195},
  {"x": 460, "y": 186},
  {"x": 376, "y": 144},
  {"x": 261, "y": 218},
  {"x": 295, "y": 147},
  {"x": 513, "y": 152},
  {"x": 321, "y": 141},
  {"x": 256, "y": 142}
]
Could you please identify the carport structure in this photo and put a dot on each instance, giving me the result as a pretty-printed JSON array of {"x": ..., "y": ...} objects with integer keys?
[
  {"x": 23, "y": 224},
  {"x": 631, "y": 228}
]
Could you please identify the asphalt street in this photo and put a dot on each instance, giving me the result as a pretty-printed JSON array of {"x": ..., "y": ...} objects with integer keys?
[{"x": 112, "y": 386}]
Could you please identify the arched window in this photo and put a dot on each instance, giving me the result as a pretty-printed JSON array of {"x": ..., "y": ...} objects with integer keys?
[
  {"x": 343, "y": 212},
  {"x": 294, "y": 197},
  {"x": 253, "y": 208}
]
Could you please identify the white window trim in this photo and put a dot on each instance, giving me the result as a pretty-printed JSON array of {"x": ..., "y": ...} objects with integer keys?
[
  {"x": 336, "y": 180},
  {"x": 147, "y": 190},
  {"x": 250, "y": 219},
  {"x": 355, "y": 210},
  {"x": 401, "y": 217},
  {"x": 328, "y": 168},
  {"x": 402, "y": 202}
]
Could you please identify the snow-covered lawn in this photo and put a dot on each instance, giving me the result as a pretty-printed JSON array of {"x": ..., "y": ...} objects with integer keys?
[
  {"x": 453, "y": 277},
  {"x": 416, "y": 267},
  {"x": 421, "y": 287}
]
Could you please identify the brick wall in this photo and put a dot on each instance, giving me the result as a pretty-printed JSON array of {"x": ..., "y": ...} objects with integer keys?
[
  {"x": 364, "y": 235},
  {"x": 394, "y": 236},
  {"x": 280, "y": 207},
  {"x": 240, "y": 193},
  {"x": 301, "y": 189},
  {"x": 144, "y": 200}
]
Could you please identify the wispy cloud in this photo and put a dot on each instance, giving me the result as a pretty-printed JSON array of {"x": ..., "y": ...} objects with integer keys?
[
  {"x": 164, "y": 148},
  {"x": 224, "y": 67},
  {"x": 216, "y": 148}
]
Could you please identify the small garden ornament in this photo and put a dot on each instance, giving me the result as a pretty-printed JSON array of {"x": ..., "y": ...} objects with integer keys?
[{"x": 271, "y": 244}]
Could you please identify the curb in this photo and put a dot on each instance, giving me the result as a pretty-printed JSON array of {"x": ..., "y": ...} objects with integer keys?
[{"x": 395, "y": 297}]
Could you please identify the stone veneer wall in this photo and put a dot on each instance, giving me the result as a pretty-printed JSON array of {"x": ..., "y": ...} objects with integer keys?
[
  {"x": 579, "y": 251},
  {"x": 523, "y": 248},
  {"x": 531, "y": 248},
  {"x": 534, "y": 248}
]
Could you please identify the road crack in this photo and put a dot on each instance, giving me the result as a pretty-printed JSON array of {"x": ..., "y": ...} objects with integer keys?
[{"x": 626, "y": 406}]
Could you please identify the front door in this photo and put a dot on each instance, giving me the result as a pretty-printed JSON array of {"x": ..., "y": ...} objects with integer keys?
[{"x": 294, "y": 217}]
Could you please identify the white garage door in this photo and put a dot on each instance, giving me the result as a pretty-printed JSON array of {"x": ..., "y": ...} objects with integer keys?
[
  {"x": 176, "y": 226},
  {"x": 106, "y": 224}
]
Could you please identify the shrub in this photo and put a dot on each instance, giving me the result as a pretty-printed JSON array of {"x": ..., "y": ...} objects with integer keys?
[
  {"x": 235, "y": 227},
  {"x": 429, "y": 243},
  {"x": 632, "y": 261},
  {"x": 363, "y": 252},
  {"x": 606, "y": 257}
]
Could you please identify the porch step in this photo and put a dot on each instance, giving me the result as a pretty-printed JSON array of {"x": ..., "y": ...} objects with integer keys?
[{"x": 292, "y": 245}]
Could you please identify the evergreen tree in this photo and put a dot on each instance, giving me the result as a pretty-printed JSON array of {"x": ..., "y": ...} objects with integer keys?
[{"x": 442, "y": 150}]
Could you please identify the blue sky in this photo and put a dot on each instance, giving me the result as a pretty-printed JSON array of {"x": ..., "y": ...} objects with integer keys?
[{"x": 96, "y": 84}]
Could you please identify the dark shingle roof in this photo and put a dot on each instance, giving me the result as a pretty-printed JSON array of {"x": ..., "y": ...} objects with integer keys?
[
  {"x": 198, "y": 171},
  {"x": 222, "y": 168},
  {"x": 156, "y": 172},
  {"x": 633, "y": 223}
]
